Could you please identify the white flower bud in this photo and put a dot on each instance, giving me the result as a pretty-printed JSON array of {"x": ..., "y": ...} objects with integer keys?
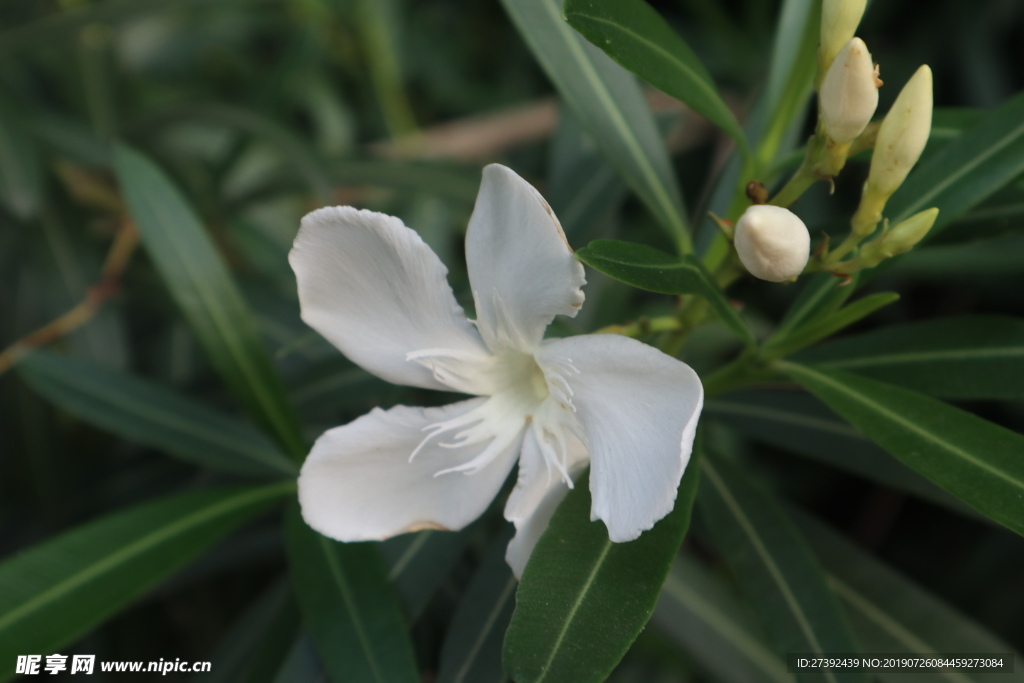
[
  {"x": 903, "y": 134},
  {"x": 849, "y": 93},
  {"x": 772, "y": 242},
  {"x": 839, "y": 21}
]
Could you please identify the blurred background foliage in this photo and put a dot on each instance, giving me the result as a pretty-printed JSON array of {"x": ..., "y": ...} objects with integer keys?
[{"x": 264, "y": 109}]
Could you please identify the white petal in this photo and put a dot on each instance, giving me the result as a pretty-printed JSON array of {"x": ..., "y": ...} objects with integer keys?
[
  {"x": 639, "y": 409},
  {"x": 535, "y": 498},
  {"x": 375, "y": 290},
  {"x": 358, "y": 483},
  {"x": 521, "y": 268}
]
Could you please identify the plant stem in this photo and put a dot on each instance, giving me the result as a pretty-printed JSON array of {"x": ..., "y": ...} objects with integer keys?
[{"x": 120, "y": 253}]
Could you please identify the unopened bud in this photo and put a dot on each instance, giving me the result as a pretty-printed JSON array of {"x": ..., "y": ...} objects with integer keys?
[
  {"x": 902, "y": 135},
  {"x": 839, "y": 21},
  {"x": 849, "y": 94},
  {"x": 898, "y": 240},
  {"x": 772, "y": 242},
  {"x": 907, "y": 234}
]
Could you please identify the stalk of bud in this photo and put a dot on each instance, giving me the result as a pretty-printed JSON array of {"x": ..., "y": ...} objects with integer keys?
[
  {"x": 839, "y": 21},
  {"x": 772, "y": 243},
  {"x": 849, "y": 94},
  {"x": 901, "y": 139}
]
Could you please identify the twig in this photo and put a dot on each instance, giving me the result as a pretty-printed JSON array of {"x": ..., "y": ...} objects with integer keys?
[{"x": 125, "y": 241}]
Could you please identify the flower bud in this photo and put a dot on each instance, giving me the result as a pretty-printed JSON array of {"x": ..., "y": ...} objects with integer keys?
[
  {"x": 898, "y": 240},
  {"x": 772, "y": 242},
  {"x": 902, "y": 135},
  {"x": 907, "y": 234},
  {"x": 839, "y": 21},
  {"x": 849, "y": 94}
]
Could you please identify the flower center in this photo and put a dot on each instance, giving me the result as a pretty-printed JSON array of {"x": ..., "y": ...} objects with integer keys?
[{"x": 521, "y": 395}]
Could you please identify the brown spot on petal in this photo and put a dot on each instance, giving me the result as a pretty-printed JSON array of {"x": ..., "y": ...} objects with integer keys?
[
  {"x": 554, "y": 218},
  {"x": 424, "y": 526}
]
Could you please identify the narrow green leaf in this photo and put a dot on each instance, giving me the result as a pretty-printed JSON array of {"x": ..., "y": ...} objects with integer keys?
[
  {"x": 791, "y": 74},
  {"x": 55, "y": 592},
  {"x": 301, "y": 664},
  {"x": 472, "y": 646},
  {"x": 891, "y": 613},
  {"x": 258, "y": 642},
  {"x": 698, "y": 611},
  {"x": 975, "y": 460},
  {"x": 576, "y": 578},
  {"x": 827, "y": 324},
  {"x": 610, "y": 106},
  {"x": 633, "y": 34},
  {"x": 775, "y": 569},
  {"x": 200, "y": 282},
  {"x": 647, "y": 268},
  {"x": 583, "y": 187},
  {"x": 419, "y": 563},
  {"x": 153, "y": 415},
  {"x": 982, "y": 160},
  {"x": 801, "y": 424},
  {"x": 292, "y": 148},
  {"x": 21, "y": 174},
  {"x": 350, "y": 609},
  {"x": 821, "y": 296},
  {"x": 970, "y": 357}
]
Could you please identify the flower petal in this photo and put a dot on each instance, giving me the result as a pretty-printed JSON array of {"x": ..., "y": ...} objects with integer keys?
[
  {"x": 358, "y": 483},
  {"x": 375, "y": 290},
  {"x": 520, "y": 265},
  {"x": 638, "y": 408},
  {"x": 536, "y": 496}
]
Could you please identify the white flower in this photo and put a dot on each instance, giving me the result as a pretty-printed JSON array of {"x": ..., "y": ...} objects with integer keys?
[
  {"x": 374, "y": 289},
  {"x": 772, "y": 242}
]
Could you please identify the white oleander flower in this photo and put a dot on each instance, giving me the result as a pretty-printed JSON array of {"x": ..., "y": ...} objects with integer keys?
[
  {"x": 772, "y": 242},
  {"x": 375, "y": 290}
]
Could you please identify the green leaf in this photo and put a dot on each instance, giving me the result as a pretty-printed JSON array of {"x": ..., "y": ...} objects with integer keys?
[
  {"x": 301, "y": 664},
  {"x": 970, "y": 357},
  {"x": 420, "y": 562},
  {"x": 975, "y": 460},
  {"x": 576, "y": 578},
  {"x": 983, "y": 159},
  {"x": 472, "y": 646},
  {"x": 791, "y": 75},
  {"x": 801, "y": 424},
  {"x": 350, "y": 609},
  {"x": 699, "y": 612},
  {"x": 891, "y": 613},
  {"x": 827, "y": 324},
  {"x": 21, "y": 174},
  {"x": 293, "y": 149},
  {"x": 153, "y": 415},
  {"x": 775, "y": 568},
  {"x": 259, "y": 640},
  {"x": 634, "y": 35},
  {"x": 647, "y": 268},
  {"x": 582, "y": 187},
  {"x": 821, "y": 296},
  {"x": 610, "y": 106},
  {"x": 201, "y": 284},
  {"x": 55, "y": 592}
]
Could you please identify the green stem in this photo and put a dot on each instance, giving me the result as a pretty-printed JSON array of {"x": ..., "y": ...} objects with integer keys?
[
  {"x": 804, "y": 177},
  {"x": 746, "y": 369},
  {"x": 644, "y": 326}
]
